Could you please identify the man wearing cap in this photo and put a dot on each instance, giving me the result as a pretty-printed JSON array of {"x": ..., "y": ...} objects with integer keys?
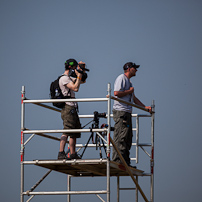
[
  {"x": 123, "y": 89},
  {"x": 69, "y": 85}
]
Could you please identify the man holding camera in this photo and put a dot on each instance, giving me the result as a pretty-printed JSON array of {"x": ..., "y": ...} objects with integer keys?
[
  {"x": 69, "y": 83},
  {"x": 122, "y": 112}
]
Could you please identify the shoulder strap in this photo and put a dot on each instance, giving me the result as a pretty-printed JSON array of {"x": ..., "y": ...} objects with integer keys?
[{"x": 69, "y": 91}]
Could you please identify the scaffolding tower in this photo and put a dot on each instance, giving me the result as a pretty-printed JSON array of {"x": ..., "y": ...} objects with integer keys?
[{"x": 88, "y": 167}]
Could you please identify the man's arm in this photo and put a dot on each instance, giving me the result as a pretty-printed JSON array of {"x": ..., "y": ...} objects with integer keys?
[
  {"x": 138, "y": 102},
  {"x": 124, "y": 93},
  {"x": 75, "y": 85}
]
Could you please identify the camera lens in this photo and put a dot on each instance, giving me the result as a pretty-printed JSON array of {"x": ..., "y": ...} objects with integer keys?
[{"x": 82, "y": 66}]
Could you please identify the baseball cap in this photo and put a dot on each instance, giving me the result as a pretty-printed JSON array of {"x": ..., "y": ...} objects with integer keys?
[
  {"x": 136, "y": 66},
  {"x": 71, "y": 62},
  {"x": 129, "y": 65}
]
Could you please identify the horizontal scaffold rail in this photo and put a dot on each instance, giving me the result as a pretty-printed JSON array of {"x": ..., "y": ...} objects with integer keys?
[
  {"x": 65, "y": 131},
  {"x": 66, "y": 100},
  {"x": 64, "y": 192},
  {"x": 83, "y": 100}
]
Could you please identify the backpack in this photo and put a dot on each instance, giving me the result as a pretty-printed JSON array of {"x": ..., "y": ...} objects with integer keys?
[{"x": 56, "y": 93}]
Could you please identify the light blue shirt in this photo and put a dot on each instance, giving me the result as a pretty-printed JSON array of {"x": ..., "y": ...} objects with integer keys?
[{"x": 123, "y": 83}]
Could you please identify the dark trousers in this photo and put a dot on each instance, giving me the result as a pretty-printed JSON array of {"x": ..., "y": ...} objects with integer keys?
[{"x": 122, "y": 135}]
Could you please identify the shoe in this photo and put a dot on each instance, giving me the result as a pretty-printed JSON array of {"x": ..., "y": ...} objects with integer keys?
[
  {"x": 75, "y": 156},
  {"x": 62, "y": 155},
  {"x": 132, "y": 166}
]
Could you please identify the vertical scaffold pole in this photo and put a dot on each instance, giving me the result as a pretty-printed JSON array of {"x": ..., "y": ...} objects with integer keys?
[
  {"x": 152, "y": 152},
  {"x": 22, "y": 142},
  {"x": 108, "y": 141},
  {"x": 137, "y": 139},
  {"x": 68, "y": 187}
]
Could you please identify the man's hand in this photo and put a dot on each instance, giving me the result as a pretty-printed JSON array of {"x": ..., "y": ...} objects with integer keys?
[
  {"x": 79, "y": 75},
  {"x": 148, "y": 108},
  {"x": 131, "y": 90}
]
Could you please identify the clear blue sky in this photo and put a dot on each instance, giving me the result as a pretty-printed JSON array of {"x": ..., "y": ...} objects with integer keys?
[{"x": 164, "y": 37}]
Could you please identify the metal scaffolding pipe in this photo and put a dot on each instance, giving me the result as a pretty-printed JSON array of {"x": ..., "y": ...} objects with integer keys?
[
  {"x": 108, "y": 141},
  {"x": 65, "y": 131},
  {"x": 80, "y": 161},
  {"x": 42, "y": 135},
  {"x": 46, "y": 106},
  {"x": 137, "y": 139},
  {"x": 152, "y": 153},
  {"x": 66, "y": 100},
  {"x": 22, "y": 143},
  {"x": 64, "y": 192}
]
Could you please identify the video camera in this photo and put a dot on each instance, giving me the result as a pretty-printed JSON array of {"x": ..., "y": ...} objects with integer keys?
[
  {"x": 81, "y": 71},
  {"x": 83, "y": 67}
]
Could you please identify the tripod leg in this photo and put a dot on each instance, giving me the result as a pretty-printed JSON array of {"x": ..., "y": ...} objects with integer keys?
[
  {"x": 104, "y": 147},
  {"x": 86, "y": 144}
]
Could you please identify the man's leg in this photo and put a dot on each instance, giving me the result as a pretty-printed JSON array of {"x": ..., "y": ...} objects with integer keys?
[
  {"x": 63, "y": 141},
  {"x": 72, "y": 144},
  {"x": 61, "y": 154},
  {"x": 119, "y": 135}
]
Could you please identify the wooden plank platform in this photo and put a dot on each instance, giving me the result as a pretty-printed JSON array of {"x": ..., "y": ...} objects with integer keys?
[{"x": 88, "y": 167}]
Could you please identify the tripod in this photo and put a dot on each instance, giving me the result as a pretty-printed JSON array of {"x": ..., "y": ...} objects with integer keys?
[{"x": 98, "y": 140}]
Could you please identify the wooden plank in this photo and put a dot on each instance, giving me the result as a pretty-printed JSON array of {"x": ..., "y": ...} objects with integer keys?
[
  {"x": 96, "y": 170},
  {"x": 87, "y": 167}
]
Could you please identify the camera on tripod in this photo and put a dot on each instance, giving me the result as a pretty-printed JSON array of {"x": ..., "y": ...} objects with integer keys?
[
  {"x": 99, "y": 115},
  {"x": 98, "y": 140}
]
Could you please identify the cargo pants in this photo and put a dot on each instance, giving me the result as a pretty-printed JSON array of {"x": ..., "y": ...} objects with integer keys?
[{"x": 122, "y": 135}]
